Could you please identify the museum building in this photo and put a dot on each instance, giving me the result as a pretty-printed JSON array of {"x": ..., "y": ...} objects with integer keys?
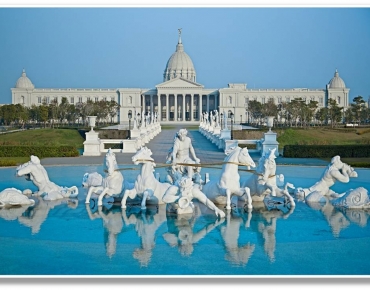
[{"x": 179, "y": 98}]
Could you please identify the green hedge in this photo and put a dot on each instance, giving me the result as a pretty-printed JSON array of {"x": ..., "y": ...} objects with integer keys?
[
  {"x": 39, "y": 151},
  {"x": 326, "y": 151}
]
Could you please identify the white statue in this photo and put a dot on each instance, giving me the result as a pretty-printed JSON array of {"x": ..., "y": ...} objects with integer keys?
[
  {"x": 206, "y": 118},
  {"x": 217, "y": 119},
  {"x": 225, "y": 121},
  {"x": 10, "y": 197},
  {"x": 335, "y": 171},
  {"x": 220, "y": 191},
  {"x": 92, "y": 179},
  {"x": 180, "y": 197},
  {"x": 34, "y": 171},
  {"x": 112, "y": 183},
  {"x": 179, "y": 156},
  {"x": 264, "y": 181},
  {"x": 143, "y": 119},
  {"x": 146, "y": 185},
  {"x": 353, "y": 198}
]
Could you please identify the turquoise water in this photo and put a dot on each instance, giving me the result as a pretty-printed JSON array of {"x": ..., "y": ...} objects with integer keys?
[{"x": 66, "y": 237}]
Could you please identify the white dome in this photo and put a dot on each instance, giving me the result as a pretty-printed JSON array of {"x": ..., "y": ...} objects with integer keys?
[
  {"x": 179, "y": 65},
  {"x": 336, "y": 82},
  {"x": 24, "y": 82}
]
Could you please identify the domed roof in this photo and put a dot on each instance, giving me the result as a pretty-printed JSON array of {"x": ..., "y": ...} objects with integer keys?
[
  {"x": 179, "y": 64},
  {"x": 336, "y": 82},
  {"x": 24, "y": 82}
]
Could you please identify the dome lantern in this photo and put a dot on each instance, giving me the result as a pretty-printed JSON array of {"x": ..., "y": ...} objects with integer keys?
[{"x": 179, "y": 64}]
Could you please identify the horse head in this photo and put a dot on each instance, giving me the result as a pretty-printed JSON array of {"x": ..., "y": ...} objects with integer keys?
[
  {"x": 267, "y": 164},
  {"x": 142, "y": 155},
  {"x": 245, "y": 158}
]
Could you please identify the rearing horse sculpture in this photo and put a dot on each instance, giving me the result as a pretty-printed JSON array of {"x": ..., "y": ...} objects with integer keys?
[
  {"x": 220, "y": 191},
  {"x": 113, "y": 182},
  {"x": 263, "y": 181},
  {"x": 146, "y": 185}
]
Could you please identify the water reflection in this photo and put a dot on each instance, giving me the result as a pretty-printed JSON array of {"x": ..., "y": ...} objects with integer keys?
[
  {"x": 34, "y": 216},
  {"x": 340, "y": 218},
  {"x": 112, "y": 224},
  {"x": 237, "y": 220},
  {"x": 146, "y": 224},
  {"x": 181, "y": 232}
]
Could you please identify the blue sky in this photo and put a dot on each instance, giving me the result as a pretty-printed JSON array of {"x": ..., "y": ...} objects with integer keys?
[{"x": 129, "y": 47}]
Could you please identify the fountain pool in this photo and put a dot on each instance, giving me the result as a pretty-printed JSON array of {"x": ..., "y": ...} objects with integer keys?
[{"x": 68, "y": 237}]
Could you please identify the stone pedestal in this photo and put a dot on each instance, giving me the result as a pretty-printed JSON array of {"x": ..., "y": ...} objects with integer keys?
[
  {"x": 135, "y": 133},
  {"x": 270, "y": 143},
  {"x": 225, "y": 134},
  {"x": 92, "y": 144}
]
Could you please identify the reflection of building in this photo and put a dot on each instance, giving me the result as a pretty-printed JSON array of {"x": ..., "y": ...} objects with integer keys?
[{"x": 179, "y": 98}]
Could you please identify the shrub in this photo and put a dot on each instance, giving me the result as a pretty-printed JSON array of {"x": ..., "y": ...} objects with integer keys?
[
  {"x": 39, "y": 151},
  {"x": 326, "y": 151}
]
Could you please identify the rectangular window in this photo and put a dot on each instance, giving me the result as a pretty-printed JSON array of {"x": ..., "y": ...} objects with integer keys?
[
  {"x": 80, "y": 99},
  {"x": 96, "y": 99},
  {"x": 39, "y": 100},
  {"x": 72, "y": 100}
]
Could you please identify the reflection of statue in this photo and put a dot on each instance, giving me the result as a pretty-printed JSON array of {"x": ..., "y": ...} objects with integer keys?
[
  {"x": 230, "y": 232},
  {"x": 336, "y": 171},
  {"x": 112, "y": 183},
  {"x": 181, "y": 150},
  {"x": 146, "y": 225},
  {"x": 181, "y": 232},
  {"x": 10, "y": 197},
  {"x": 40, "y": 211},
  {"x": 183, "y": 196},
  {"x": 113, "y": 224},
  {"x": 146, "y": 185},
  {"x": 34, "y": 171}
]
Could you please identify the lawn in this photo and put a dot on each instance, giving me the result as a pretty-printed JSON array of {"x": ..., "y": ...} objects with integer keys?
[
  {"x": 323, "y": 136},
  {"x": 47, "y": 137}
]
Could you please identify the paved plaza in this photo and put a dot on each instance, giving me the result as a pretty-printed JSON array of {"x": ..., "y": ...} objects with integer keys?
[{"x": 206, "y": 151}]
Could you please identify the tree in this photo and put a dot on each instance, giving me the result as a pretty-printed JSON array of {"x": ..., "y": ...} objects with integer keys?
[
  {"x": 357, "y": 107},
  {"x": 334, "y": 112},
  {"x": 269, "y": 109},
  {"x": 113, "y": 108},
  {"x": 255, "y": 109},
  {"x": 44, "y": 114},
  {"x": 322, "y": 115}
]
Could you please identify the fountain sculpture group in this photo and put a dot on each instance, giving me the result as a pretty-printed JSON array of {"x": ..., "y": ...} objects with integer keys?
[
  {"x": 184, "y": 184},
  {"x": 177, "y": 200}
]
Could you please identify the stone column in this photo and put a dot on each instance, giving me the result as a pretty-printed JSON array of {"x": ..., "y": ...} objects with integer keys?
[
  {"x": 192, "y": 107},
  {"x": 143, "y": 102},
  {"x": 208, "y": 103},
  {"x": 200, "y": 106},
  {"x": 175, "y": 113},
  {"x": 159, "y": 108},
  {"x": 183, "y": 107},
  {"x": 151, "y": 104},
  {"x": 167, "y": 107}
]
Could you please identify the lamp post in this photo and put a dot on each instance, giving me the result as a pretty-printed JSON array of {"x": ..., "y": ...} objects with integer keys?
[
  {"x": 221, "y": 119},
  {"x": 232, "y": 121},
  {"x": 241, "y": 120},
  {"x": 129, "y": 123}
]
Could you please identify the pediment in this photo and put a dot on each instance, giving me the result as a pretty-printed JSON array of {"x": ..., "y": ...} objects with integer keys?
[{"x": 179, "y": 83}]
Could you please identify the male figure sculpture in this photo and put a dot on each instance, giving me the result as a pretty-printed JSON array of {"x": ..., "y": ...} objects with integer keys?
[{"x": 180, "y": 154}]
